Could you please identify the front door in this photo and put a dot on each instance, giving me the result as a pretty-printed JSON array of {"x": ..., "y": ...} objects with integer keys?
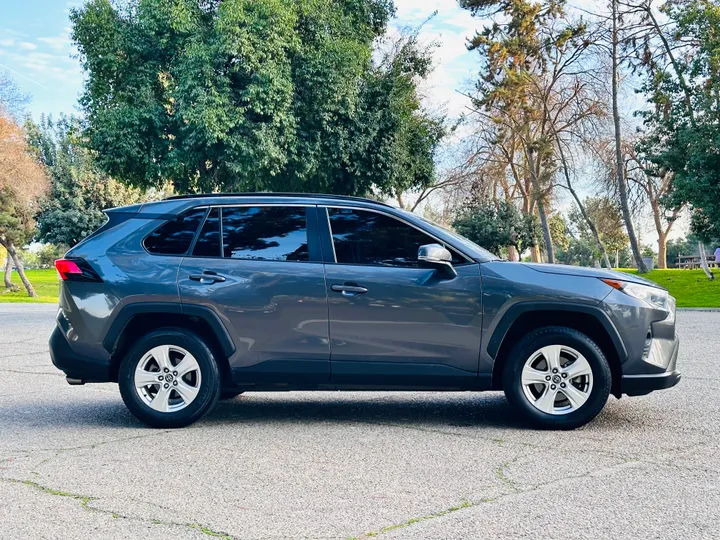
[
  {"x": 259, "y": 268},
  {"x": 392, "y": 322}
]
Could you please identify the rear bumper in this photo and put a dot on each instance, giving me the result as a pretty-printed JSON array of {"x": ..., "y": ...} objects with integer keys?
[{"x": 76, "y": 366}]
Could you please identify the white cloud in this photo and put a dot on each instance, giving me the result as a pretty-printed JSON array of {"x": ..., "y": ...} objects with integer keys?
[
  {"x": 26, "y": 46},
  {"x": 57, "y": 43},
  {"x": 7, "y": 42}
]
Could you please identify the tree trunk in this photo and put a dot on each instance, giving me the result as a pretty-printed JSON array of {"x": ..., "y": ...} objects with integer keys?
[
  {"x": 541, "y": 210},
  {"x": 583, "y": 212},
  {"x": 535, "y": 254},
  {"x": 622, "y": 183},
  {"x": 662, "y": 250},
  {"x": 703, "y": 261},
  {"x": 20, "y": 270},
  {"x": 513, "y": 253},
  {"x": 7, "y": 275}
]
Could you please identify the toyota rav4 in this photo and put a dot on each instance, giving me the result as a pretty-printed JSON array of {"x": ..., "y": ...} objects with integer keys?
[{"x": 197, "y": 298}]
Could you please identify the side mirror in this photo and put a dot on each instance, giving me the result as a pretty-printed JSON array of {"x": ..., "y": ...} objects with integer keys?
[{"x": 438, "y": 257}]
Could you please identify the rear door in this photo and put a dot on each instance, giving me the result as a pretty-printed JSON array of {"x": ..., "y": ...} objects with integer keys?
[
  {"x": 259, "y": 268},
  {"x": 392, "y": 322}
]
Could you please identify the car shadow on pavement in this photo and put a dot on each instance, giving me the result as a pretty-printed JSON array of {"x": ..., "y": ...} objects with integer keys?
[
  {"x": 428, "y": 410},
  {"x": 434, "y": 410}
]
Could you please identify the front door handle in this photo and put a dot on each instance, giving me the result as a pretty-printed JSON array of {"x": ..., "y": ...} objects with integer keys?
[
  {"x": 349, "y": 289},
  {"x": 207, "y": 277}
]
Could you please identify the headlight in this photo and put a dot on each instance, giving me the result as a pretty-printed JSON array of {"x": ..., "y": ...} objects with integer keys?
[{"x": 657, "y": 298}]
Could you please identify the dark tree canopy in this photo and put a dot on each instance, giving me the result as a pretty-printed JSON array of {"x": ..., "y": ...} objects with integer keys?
[{"x": 253, "y": 95}]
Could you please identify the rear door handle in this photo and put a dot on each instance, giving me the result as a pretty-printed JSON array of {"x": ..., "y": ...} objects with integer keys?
[
  {"x": 207, "y": 277},
  {"x": 349, "y": 289}
]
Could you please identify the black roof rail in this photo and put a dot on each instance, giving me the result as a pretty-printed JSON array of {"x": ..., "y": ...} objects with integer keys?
[{"x": 276, "y": 194}]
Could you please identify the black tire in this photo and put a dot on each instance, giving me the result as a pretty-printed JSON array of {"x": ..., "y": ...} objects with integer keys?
[
  {"x": 209, "y": 384},
  {"x": 557, "y": 335},
  {"x": 230, "y": 394}
]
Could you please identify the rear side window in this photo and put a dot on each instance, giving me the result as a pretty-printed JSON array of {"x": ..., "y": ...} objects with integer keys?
[
  {"x": 268, "y": 233},
  {"x": 175, "y": 237}
]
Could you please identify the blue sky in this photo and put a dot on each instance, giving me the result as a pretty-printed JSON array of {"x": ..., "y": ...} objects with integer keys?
[{"x": 35, "y": 49}]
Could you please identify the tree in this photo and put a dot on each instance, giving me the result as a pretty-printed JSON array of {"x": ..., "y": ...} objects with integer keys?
[
  {"x": 253, "y": 95},
  {"x": 79, "y": 192},
  {"x": 682, "y": 85},
  {"x": 497, "y": 226},
  {"x": 536, "y": 92},
  {"x": 12, "y": 99},
  {"x": 619, "y": 162},
  {"x": 597, "y": 222},
  {"x": 22, "y": 182}
]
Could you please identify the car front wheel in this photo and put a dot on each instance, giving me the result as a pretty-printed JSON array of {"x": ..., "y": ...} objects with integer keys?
[
  {"x": 169, "y": 379},
  {"x": 557, "y": 377}
]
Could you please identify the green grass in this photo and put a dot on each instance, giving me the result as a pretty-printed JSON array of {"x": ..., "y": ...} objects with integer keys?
[
  {"x": 691, "y": 288},
  {"x": 45, "y": 283}
]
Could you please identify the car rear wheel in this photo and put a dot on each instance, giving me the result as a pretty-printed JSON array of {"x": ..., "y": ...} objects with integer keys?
[
  {"x": 169, "y": 379},
  {"x": 557, "y": 377}
]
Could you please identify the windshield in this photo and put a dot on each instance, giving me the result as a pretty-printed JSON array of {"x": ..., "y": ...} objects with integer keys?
[{"x": 461, "y": 240}]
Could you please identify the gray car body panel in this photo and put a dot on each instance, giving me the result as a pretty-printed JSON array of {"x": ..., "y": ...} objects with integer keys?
[{"x": 415, "y": 328}]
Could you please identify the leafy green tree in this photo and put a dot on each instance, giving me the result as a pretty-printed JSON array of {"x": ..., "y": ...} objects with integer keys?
[
  {"x": 681, "y": 126},
  {"x": 254, "y": 95},
  {"x": 498, "y": 226},
  {"x": 79, "y": 191},
  {"x": 581, "y": 251}
]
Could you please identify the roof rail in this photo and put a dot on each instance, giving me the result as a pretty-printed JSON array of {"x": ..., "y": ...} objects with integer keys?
[{"x": 275, "y": 194}]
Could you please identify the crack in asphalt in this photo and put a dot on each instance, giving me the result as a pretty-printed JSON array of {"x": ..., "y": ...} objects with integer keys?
[
  {"x": 516, "y": 489},
  {"x": 31, "y": 372},
  {"x": 85, "y": 501}
]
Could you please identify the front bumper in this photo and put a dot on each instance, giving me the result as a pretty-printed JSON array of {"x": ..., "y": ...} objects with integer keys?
[{"x": 641, "y": 384}]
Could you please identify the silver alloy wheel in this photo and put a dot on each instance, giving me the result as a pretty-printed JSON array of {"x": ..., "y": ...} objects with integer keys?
[
  {"x": 167, "y": 378},
  {"x": 557, "y": 379}
]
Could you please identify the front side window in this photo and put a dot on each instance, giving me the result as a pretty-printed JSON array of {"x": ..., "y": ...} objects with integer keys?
[
  {"x": 175, "y": 237},
  {"x": 363, "y": 237},
  {"x": 268, "y": 233}
]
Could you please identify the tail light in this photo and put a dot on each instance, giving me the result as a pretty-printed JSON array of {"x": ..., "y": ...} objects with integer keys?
[{"x": 76, "y": 270}]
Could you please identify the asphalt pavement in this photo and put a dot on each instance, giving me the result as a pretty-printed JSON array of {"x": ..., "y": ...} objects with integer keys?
[{"x": 75, "y": 464}]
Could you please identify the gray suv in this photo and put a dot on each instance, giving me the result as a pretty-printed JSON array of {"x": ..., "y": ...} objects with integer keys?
[{"x": 193, "y": 299}]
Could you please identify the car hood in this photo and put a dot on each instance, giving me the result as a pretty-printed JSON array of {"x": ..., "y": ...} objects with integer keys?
[{"x": 589, "y": 272}]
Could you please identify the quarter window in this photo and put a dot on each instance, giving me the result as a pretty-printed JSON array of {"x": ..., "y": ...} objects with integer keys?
[
  {"x": 270, "y": 233},
  {"x": 175, "y": 237},
  {"x": 208, "y": 242},
  {"x": 362, "y": 237}
]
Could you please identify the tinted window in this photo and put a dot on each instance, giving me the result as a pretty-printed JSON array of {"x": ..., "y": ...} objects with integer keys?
[
  {"x": 175, "y": 237},
  {"x": 362, "y": 237},
  {"x": 208, "y": 243},
  {"x": 271, "y": 233}
]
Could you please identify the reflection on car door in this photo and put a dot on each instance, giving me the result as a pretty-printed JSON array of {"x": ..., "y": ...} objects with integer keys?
[
  {"x": 260, "y": 269},
  {"x": 393, "y": 322}
]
